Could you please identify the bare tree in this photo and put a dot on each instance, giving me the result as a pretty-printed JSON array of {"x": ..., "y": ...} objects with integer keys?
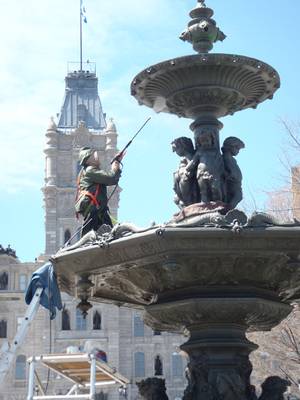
[
  {"x": 284, "y": 202},
  {"x": 280, "y": 204}
]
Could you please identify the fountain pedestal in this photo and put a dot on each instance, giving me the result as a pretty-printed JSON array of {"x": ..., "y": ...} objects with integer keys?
[{"x": 218, "y": 362}]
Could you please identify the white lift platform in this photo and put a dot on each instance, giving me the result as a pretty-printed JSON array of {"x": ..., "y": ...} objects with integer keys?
[{"x": 85, "y": 371}]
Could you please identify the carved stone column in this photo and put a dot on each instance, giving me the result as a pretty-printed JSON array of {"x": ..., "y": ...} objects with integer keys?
[
  {"x": 51, "y": 154},
  {"x": 111, "y": 149}
]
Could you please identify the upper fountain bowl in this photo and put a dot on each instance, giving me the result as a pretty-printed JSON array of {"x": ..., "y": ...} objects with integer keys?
[{"x": 205, "y": 85}]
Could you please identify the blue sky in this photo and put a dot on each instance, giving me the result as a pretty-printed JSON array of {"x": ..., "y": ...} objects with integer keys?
[{"x": 123, "y": 37}]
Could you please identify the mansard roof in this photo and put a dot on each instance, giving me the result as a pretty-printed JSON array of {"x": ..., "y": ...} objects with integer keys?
[{"x": 82, "y": 102}]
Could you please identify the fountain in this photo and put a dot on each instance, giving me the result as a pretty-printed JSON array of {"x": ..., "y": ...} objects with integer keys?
[{"x": 210, "y": 272}]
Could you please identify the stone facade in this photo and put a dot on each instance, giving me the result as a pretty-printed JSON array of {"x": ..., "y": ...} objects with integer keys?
[{"x": 122, "y": 335}]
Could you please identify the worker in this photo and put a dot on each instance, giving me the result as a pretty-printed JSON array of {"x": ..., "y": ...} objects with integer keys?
[{"x": 91, "y": 200}]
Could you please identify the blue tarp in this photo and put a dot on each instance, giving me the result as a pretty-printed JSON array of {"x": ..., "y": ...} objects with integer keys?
[{"x": 45, "y": 278}]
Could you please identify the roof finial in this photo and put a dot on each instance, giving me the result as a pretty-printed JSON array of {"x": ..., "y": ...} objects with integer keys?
[
  {"x": 111, "y": 126},
  {"x": 202, "y": 30},
  {"x": 52, "y": 125}
]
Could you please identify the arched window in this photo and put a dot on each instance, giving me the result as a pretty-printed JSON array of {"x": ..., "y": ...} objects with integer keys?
[
  {"x": 67, "y": 235},
  {"x": 81, "y": 323},
  {"x": 96, "y": 321},
  {"x": 4, "y": 281},
  {"x": 158, "y": 366},
  {"x": 177, "y": 365},
  {"x": 138, "y": 326},
  {"x": 65, "y": 320},
  {"x": 23, "y": 282},
  {"x": 3, "y": 329},
  {"x": 20, "y": 368},
  {"x": 139, "y": 364}
]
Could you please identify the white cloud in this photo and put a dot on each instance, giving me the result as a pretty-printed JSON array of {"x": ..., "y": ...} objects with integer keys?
[{"x": 40, "y": 37}]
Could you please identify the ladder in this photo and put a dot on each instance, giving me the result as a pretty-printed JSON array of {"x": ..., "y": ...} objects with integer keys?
[{"x": 8, "y": 351}]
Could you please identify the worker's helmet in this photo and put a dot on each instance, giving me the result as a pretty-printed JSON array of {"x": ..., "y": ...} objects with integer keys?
[{"x": 84, "y": 154}]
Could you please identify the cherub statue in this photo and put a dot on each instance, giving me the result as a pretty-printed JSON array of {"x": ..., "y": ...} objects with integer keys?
[
  {"x": 209, "y": 165},
  {"x": 273, "y": 388},
  {"x": 152, "y": 389},
  {"x": 233, "y": 175},
  {"x": 185, "y": 186}
]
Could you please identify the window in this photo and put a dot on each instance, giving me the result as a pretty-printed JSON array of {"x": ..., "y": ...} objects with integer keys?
[
  {"x": 3, "y": 329},
  {"x": 156, "y": 333},
  {"x": 21, "y": 368},
  {"x": 23, "y": 282},
  {"x": 4, "y": 281},
  {"x": 158, "y": 366},
  {"x": 65, "y": 320},
  {"x": 96, "y": 321},
  {"x": 177, "y": 365},
  {"x": 81, "y": 324},
  {"x": 67, "y": 235},
  {"x": 138, "y": 326},
  {"x": 139, "y": 364}
]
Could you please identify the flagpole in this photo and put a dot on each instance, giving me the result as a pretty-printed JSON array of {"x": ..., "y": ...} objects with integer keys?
[{"x": 80, "y": 35}]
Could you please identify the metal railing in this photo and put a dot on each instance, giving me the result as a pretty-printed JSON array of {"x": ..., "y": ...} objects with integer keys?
[{"x": 86, "y": 67}]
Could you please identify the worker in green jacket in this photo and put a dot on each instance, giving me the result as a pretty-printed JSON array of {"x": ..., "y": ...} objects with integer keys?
[{"x": 91, "y": 201}]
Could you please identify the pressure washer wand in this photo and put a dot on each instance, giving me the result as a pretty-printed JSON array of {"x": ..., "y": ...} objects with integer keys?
[
  {"x": 119, "y": 156},
  {"x": 121, "y": 153}
]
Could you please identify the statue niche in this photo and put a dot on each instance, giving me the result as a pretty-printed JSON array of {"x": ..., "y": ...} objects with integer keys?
[
  {"x": 158, "y": 366},
  {"x": 4, "y": 281},
  {"x": 65, "y": 320}
]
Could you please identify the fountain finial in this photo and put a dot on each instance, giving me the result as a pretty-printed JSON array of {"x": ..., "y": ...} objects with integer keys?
[
  {"x": 201, "y": 3},
  {"x": 202, "y": 30}
]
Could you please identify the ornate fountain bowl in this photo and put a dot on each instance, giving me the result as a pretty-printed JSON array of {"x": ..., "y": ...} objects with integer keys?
[
  {"x": 213, "y": 85},
  {"x": 187, "y": 276}
]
